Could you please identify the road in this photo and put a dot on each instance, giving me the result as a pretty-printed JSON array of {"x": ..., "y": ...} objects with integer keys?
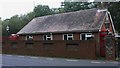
[{"x": 18, "y": 60}]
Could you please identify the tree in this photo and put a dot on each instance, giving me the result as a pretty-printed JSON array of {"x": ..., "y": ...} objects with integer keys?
[
  {"x": 16, "y": 23},
  {"x": 4, "y": 25},
  {"x": 42, "y": 10},
  {"x": 75, "y": 6},
  {"x": 114, "y": 9},
  {"x": 0, "y": 27}
]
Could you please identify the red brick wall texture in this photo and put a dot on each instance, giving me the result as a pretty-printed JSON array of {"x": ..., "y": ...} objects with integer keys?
[{"x": 57, "y": 47}]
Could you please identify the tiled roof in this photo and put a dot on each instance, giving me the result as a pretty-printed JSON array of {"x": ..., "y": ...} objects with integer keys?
[{"x": 83, "y": 20}]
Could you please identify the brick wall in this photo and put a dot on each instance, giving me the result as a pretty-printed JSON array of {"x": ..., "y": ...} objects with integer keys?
[{"x": 58, "y": 48}]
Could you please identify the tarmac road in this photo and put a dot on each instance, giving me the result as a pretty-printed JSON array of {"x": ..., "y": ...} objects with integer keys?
[{"x": 19, "y": 60}]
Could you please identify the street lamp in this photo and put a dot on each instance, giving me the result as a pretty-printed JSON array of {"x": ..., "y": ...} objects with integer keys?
[{"x": 7, "y": 29}]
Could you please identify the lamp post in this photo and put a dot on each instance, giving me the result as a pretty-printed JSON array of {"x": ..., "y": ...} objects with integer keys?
[{"x": 7, "y": 29}]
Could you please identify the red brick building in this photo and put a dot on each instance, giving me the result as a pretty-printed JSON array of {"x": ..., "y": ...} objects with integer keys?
[{"x": 73, "y": 34}]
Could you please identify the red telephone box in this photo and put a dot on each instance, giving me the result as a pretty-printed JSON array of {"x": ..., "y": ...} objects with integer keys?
[{"x": 102, "y": 43}]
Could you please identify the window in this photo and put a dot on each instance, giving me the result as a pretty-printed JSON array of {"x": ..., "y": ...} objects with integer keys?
[
  {"x": 29, "y": 45},
  {"x": 72, "y": 47},
  {"x": 47, "y": 37},
  {"x": 67, "y": 36},
  {"x": 29, "y": 37},
  {"x": 48, "y": 46},
  {"x": 86, "y": 36},
  {"x": 14, "y": 44}
]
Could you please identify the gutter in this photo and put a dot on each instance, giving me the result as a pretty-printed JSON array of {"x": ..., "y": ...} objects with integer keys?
[{"x": 74, "y": 31}]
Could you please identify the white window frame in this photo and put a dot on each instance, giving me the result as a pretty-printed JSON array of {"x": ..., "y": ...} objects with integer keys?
[
  {"x": 85, "y": 35},
  {"x": 68, "y": 36},
  {"x": 30, "y": 37},
  {"x": 51, "y": 37}
]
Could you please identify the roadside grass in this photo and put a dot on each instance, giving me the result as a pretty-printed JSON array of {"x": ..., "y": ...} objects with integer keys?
[
  {"x": 101, "y": 58},
  {"x": 117, "y": 59}
]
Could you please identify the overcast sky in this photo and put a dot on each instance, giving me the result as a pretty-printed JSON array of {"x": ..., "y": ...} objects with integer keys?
[{"x": 8, "y": 8}]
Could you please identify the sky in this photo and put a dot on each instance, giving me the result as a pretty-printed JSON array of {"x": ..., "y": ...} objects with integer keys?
[{"x": 9, "y": 8}]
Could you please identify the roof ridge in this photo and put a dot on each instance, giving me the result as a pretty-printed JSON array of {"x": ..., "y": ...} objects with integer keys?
[{"x": 66, "y": 13}]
